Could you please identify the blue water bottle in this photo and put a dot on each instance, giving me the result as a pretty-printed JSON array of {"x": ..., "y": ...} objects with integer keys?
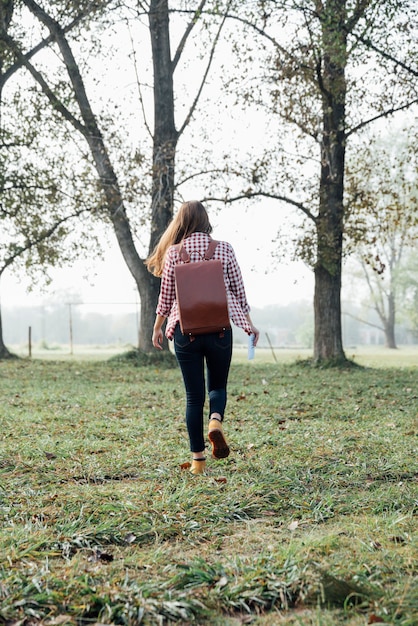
[{"x": 251, "y": 347}]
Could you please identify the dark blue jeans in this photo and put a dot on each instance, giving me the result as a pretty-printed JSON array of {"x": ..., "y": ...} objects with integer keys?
[{"x": 215, "y": 351}]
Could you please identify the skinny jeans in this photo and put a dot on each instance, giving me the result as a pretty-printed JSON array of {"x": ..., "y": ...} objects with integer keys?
[{"x": 215, "y": 351}]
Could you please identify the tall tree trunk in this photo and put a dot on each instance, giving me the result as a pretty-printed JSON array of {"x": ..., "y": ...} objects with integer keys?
[
  {"x": 164, "y": 144},
  {"x": 6, "y": 12},
  {"x": 330, "y": 224},
  {"x": 389, "y": 323},
  {"x": 4, "y": 352}
]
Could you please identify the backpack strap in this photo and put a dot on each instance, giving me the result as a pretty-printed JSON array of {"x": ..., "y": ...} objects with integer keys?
[
  {"x": 211, "y": 249},
  {"x": 185, "y": 256},
  {"x": 182, "y": 252}
]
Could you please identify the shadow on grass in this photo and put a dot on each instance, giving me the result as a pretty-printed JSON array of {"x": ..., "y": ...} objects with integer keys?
[
  {"x": 164, "y": 359},
  {"x": 324, "y": 364}
]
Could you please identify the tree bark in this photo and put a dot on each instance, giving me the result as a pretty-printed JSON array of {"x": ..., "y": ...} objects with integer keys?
[
  {"x": 389, "y": 323},
  {"x": 6, "y": 12},
  {"x": 4, "y": 352},
  {"x": 328, "y": 344},
  {"x": 164, "y": 146}
]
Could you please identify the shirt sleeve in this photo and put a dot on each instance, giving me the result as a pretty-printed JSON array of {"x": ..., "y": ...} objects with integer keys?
[
  {"x": 236, "y": 283},
  {"x": 168, "y": 288}
]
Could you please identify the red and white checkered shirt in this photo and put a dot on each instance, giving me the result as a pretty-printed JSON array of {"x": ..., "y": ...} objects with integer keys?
[{"x": 196, "y": 245}]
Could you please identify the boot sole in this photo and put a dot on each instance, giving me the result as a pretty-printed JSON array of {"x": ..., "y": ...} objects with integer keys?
[{"x": 220, "y": 449}]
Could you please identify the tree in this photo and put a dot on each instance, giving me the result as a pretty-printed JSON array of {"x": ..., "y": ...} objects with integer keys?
[
  {"x": 43, "y": 204},
  {"x": 38, "y": 207},
  {"x": 382, "y": 217},
  {"x": 165, "y": 134},
  {"x": 332, "y": 67}
]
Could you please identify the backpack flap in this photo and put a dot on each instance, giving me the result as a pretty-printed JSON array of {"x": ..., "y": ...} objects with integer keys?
[{"x": 201, "y": 297}]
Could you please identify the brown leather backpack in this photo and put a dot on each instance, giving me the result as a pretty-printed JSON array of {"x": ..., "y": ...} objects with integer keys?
[{"x": 201, "y": 293}]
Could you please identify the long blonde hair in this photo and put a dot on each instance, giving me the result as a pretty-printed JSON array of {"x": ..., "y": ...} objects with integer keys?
[{"x": 190, "y": 218}]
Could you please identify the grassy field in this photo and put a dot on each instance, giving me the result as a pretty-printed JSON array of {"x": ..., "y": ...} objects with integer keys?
[
  {"x": 369, "y": 356},
  {"x": 312, "y": 520}
]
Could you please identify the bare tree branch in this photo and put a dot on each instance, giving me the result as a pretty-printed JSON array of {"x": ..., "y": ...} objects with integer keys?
[
  {"x": 359, "y": 319},
  {"x": 70, "y": 62},
  {"x": 46, "y": 234},
  {"x": 205, "y": 74},
  {"x": 54, "y": 100},
  {"x": 255, "y": 194},
  {"x": 357, "y": 14},
  {"x": 272, "y": 40},
  {"x": 43, "y": 44},
  {"x": 138, "y": 83},
  {"x": 385, "y": 55},
  {"x": 380, "y": 116},
  {"x": 186, "y": 34}
]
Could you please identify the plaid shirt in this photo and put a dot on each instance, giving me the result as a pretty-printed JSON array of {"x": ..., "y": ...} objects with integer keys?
[{"x": 196, "y": 245}]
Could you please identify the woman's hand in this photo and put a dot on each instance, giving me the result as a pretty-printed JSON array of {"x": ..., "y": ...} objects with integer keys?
[
  {"x": 256, "y": 334},
  {"x": 254, "y": 330},
  {"x": 157, "y": 333},
  {"x": 157, "y": 339}
]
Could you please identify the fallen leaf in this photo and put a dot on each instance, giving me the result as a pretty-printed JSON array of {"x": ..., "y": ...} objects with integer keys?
[
  {"x": 221, "y": 479},
  {"x": 397, "y": 539},
  {"x": 375, "y": 619},
  {"x": 185, "y": 466},
  {"x": 293, "y": 525},
  {"x": 129, "y": 538},
  {"x": 98, "y": 555},
  {"x": 50, "y": 455}
]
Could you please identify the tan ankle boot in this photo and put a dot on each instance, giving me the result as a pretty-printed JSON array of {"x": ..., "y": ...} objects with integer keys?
[
  {"x": 198, "y": 466},
  {"x": 220, "y": 449}
]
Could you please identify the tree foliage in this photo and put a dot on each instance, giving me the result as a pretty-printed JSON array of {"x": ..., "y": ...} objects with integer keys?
[
  {"x": 43, "y": 197},
  {"x": 328, "y": 69},
  {"x": 382, "y": 217}
]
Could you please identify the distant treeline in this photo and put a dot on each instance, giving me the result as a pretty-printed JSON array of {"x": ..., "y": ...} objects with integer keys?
[{"x": 282, "y": 325}]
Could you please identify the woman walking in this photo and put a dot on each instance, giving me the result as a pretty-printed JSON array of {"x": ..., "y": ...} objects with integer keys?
[{"x": 191, "y": 226}]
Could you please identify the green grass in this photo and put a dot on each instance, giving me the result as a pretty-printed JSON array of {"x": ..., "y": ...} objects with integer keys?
[
  {"x": 369, "y": 356},
  {"x": 312, "y": 520}
]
